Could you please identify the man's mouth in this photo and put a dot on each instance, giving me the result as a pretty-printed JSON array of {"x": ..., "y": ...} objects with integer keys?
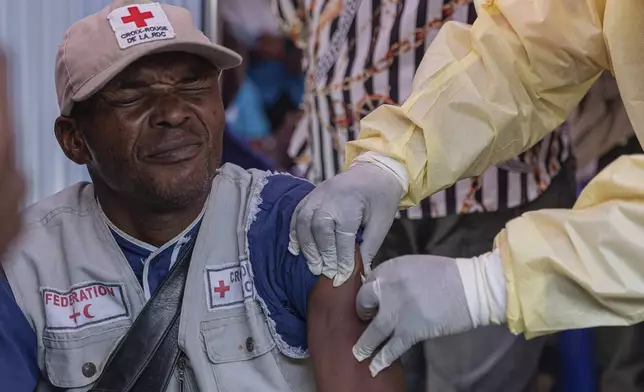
[{"x": 174, "y": 152}]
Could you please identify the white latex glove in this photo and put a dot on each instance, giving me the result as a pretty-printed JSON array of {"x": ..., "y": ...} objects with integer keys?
[
  {"x": 325, "y": 223},
  {"x": 415, "y": 298}
]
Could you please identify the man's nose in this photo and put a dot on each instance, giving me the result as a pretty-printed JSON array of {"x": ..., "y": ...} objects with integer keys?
[{"x": 169, "y": 112}]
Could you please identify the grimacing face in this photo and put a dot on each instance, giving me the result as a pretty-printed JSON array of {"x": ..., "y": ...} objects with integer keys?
[{"x": 154, "y": 133}]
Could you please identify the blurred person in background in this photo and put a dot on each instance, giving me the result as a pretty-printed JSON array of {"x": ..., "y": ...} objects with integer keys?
[
  {"x": 265, "y": 108},
  {"x": 11, "y": 181},
  {"x": 363, "y": 54},
  {"x": 12, "y": 187},
  {"x": 236, "y": 149}
]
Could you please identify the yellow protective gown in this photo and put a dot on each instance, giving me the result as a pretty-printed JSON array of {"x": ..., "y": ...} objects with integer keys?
[{"x": 485, "y": 93}]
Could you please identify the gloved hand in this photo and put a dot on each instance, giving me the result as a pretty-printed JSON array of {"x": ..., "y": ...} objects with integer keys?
[
  {"x": 325, "y": 223},
  {"x": 418, "y": 297}
]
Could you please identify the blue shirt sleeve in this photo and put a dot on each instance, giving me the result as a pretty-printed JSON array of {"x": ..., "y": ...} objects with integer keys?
[
  {"x": 18, "y": 345},
  {"x": 282, "y": 281}
]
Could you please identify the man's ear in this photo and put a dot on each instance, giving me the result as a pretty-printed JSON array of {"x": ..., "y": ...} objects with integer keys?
[{"x": 71, "y": 140}]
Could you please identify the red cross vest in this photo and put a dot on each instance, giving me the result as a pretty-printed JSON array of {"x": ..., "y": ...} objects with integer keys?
[{"x": 80, "y": 295}]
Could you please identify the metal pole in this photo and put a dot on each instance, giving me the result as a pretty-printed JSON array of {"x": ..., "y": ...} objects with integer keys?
[{"x": 211, "y": 17}]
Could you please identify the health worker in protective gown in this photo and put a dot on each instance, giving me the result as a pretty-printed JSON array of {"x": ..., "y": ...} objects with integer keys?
[{"x": 483, "y": 94}]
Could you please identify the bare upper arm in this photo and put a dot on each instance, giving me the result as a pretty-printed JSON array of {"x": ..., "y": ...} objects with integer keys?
[{"x": 333, "y": 328}]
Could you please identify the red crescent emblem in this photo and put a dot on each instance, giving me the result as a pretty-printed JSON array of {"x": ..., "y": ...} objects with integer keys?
[{"x": 86, "y": 312}]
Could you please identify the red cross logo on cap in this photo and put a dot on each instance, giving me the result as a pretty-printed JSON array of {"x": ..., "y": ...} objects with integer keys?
[{"x": 138, "y": 17}]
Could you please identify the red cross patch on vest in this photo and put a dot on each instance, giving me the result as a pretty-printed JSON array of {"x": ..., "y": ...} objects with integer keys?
[{"x": 227, "y": 286}]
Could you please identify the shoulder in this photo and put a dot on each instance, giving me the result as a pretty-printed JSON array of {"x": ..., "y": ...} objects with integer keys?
[
  {"x": 272, "y": 203},
  {"x": 284, "y": 191},
  {"x": 45, "y": 227},
  {"x": 76, "y": 199},
  {"x": 42, "y": 220},
  {"x": 282, "y": 279},
  {"x": 265, "y": 189}
]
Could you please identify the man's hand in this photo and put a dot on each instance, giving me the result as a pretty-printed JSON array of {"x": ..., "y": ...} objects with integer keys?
[
  {"x": 325, "y": 223},
  {"x": 420, "y": 297},
  {"x": 11, "y": 182}
]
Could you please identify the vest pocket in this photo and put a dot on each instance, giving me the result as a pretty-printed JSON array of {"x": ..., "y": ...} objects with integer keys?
[
  {"x": 77, "y": 361},
  {"x": 239, "y": 349},
  {"x": 237, "y": 337}
]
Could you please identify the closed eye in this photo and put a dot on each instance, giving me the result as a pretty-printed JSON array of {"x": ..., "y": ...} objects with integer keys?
[
  {"x": 195, "y": 84},
  {"x": 122, "y": 97}
]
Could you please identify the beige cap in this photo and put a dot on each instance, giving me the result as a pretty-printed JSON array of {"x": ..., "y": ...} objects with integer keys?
[{"x": 98, "y": 47}]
